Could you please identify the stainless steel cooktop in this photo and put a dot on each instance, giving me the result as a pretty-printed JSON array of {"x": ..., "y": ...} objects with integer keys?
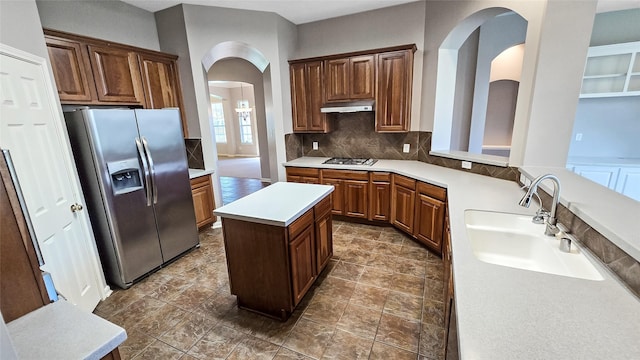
[{"x": 350, "y": 161}]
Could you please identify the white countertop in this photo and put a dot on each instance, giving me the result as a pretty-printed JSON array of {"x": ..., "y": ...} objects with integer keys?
[
  {"x": 279, "y": 204},
  {"x": 508, "y": 313},
  {"x": 62, "y": 331},
  {"x": 613, "y": 161},
  {"x": 196, "y": 173}
]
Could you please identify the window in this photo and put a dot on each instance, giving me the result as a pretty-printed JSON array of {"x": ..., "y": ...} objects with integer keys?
[
  {"x": 246, "y": 135},
  {"x": 218, "y": 122}
]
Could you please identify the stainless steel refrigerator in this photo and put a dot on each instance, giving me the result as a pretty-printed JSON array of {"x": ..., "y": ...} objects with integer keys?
[{"x": 134, "y": 174}]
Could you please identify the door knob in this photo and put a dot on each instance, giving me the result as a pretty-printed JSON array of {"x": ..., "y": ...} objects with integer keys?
[{"x": 76, "y": 207}]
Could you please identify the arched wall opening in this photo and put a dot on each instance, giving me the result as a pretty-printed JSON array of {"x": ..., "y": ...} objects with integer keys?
[{"x": 463, "y": 78}]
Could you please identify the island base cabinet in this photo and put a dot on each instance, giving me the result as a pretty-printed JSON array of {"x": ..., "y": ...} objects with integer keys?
[{"x": 303, "y": 270}]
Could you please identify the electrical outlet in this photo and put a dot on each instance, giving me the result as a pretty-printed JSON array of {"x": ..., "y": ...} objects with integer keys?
[
  {"x": 466, "y": 165},
  {"x": 314, "y": 145},
  {"x": 579, "y": 137},
  {"x": 406, "y": 148}
]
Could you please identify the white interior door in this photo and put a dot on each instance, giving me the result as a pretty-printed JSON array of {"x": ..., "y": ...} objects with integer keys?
[{"x": 31, "y": 128}]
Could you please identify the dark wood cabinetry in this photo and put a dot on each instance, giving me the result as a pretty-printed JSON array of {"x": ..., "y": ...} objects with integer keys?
[
  {"x": 403, "y": 197},
  {"x": 350, "y": 78},
  {"x": 351, "y": 194},
  {"x": 324, "y": 233},
  {"x": 303, "y": 175},
  {"x": 380, "y": 196},
  {"x": 429, "y": 218},
  {"x": 303, "y": 270},
  {"x": 393, "y": 100},
  {"x": 203, "y": 200},
  {"x": 91, "y": 71},
  {"x": 307, "y": 96}
]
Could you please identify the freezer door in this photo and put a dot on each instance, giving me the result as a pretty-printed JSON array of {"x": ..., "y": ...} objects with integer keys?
[
  {"x": 120, "y": 172},
  {"x": 161, "y": 133}
]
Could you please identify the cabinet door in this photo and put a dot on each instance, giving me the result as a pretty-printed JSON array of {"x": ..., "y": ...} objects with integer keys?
[
  {"x": 603, "y": 175},
  {"x": 303, "y": 269},
  {"x": 324, "y": 241},
  {"x": 298, "y": 97},
  {"x": 628, "y": 183},
  {"x": 362, "y": 77},
  {"x": 315, "y": 91},
  {"x": 429, "y": 222},
  {"x": 393, "y": 102},
  {"x": 71, "y": 69},
  {"x": 356, "y": 198},
  {"x": 203, "y": 203},
  {"x": 116, "y": 74},
  {"x": 403, "y": 205},
  {"x": 337, "y": 79},
  {"x": 160, "y": 80},
  {"x": 337, "y": 196},
  {"x": 380, "y": 195}
]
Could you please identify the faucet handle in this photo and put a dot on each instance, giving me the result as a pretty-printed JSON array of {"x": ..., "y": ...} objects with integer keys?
[
  {"x": 540, "y": 216},
  {"x": 565, "y": 241}
]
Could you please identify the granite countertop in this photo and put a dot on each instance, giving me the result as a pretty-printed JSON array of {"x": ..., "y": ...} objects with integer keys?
[
  {"x": 196, "y": 173},
  {"x": 279, "y": 204},
  {"x": 508, "y": 313},
  {"x": 62, "y": 331}
]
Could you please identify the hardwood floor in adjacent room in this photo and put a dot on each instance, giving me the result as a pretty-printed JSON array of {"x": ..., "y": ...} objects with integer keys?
[
  {"x": 380, "y": 297},
  {"x": 233, "y": 188}
]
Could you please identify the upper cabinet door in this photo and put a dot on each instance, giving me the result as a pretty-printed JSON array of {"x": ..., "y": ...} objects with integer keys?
[
  {"x": 362, "y": 77},
  {"x": 71, "y": 69},
  {"x": 159, "y": 77},
  {"x": 337, "y": 79},
  {"x": 393, "y": 103},
  {"x": 116, "y": 74},
  {"x": 316, "y": 119},
  {"x": 298, "y": 97}
]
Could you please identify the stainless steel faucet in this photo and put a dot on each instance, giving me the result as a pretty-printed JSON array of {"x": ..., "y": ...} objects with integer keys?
[{"x": 551, "y": 228}]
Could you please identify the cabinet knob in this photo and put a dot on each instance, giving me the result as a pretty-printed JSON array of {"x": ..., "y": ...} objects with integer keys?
[{"x": 76, "y": 207}]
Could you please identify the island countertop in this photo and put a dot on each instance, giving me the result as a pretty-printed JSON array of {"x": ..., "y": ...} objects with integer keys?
[{"x": 278, "y": 204}]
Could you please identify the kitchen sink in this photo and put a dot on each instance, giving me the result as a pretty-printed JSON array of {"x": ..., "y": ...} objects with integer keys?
[{"x": 513, "y": 240}]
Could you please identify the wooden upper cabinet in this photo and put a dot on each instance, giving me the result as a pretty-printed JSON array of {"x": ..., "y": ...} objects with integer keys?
[
  {"x": 160, "y": 81},
  {"x": 350, "y": 78},
  {"x": 71, "y": 69},
  {"x": 116, "y": 74},
  {"x": 307, "y": 96},
  {"x": 393, "y": 101}
]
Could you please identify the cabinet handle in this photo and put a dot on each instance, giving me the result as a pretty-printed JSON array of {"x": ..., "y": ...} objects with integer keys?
[{"x": 76, "y": 207}]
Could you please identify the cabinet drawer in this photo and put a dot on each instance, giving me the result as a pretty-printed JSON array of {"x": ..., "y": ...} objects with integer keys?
[
  {"x": 200, "y": 181},
  {"x": 345, "y": 174},
  {"x": 323, "y": 207},
  {"x": 435, "y": 192},
  {"x": 404, "y": 181},
  {"x": 380, "y": 176},
  {"x": 300, "y": 224},
  {"x": 298, "y": 171}
]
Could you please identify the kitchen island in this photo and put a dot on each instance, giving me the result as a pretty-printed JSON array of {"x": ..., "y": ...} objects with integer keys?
[{"x": 277, "y": 241}]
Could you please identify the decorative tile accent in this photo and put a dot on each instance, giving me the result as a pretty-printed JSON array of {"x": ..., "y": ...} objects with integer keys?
[
  {"x": 293, "y": 146},
  {"x": 194, "y": 153},
  {"x": 622, "y": 264}
]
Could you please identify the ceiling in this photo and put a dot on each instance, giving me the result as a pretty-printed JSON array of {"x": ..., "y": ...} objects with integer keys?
[{"x": 304, "y": 11}]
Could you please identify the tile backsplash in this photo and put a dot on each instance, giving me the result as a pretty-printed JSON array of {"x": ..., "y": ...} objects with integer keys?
[
  {"x": 355, "y": 136},
  {"x": 194, "y": 153}
]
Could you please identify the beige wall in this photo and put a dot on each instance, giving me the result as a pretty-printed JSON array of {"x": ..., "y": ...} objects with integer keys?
[{"x": 20, "y": 27}]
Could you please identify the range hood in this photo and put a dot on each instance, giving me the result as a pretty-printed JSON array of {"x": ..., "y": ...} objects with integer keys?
[{"x": 348, "y": 107}]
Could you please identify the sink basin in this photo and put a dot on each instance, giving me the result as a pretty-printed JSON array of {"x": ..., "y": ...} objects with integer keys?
[{"x": 513, "y": 240}]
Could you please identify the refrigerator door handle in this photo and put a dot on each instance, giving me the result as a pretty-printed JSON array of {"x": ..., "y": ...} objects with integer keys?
[
  {"x": 152, "y": 169},
  {"x": 145, "y": 166}
]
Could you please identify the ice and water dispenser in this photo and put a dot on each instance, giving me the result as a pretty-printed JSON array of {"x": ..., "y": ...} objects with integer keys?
[{"x": 125, "y": 176}]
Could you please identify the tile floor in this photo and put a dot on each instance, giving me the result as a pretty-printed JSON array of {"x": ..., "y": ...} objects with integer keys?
[
  {"x": 380, "y": 297},
  {"x": 233, "y": 188}
]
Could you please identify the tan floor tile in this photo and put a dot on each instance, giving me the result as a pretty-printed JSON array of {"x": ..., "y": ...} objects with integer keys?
[
  {"x": 392, "y": 237},
  {"x": 158, "y": 322},
  {"x": 399, "y": 332},
  {"x": 192, "y": 297},
  {"x": 387, "y": 248},
  {"x": 404, "y": 305},
  {"x": 118, "y": 301},
  {"x": 435, "y": 271},
  {"x": 276, "y": 331},
  {"x": 432, "y": 341},
  {"x": 411, "y": 267},
  {"x": 355, "y": 256},
  {"x": 408, "y": 284},
  {"x": 253, "y": 348},
  {"x": 286, "y": 354},
  {"x": 324, "y": 309},
  {"x": 170, "y": 288},
  {"x": 369, "y": 296},
  {"x": 347, "y": 346},
  {"x": 309, "y": 338},
  {"x": 360, "y": 321},
  {"x": 337, "y": 288},
  {"x": 367, "y": 232},
  {"x": 414, "y": 253},
  {"x": 135, "y": 343},
  {"x": 382, "y": 351},
  {"x": 376, "y": 277},
  {"x": 382, "y": 262},
  {"x": 184, "y": 335},
  {"x": 159, "y": 350},
  {"x": 217, "y": 305},
  {"x": 136, "y": 312},
  {"x": 217, "y": 344},
  {"x": 434, "y": 289},
  {"x": 363, "y": 244},
  {"x": 244, "y": 321},
  {"x": 347, "y": 271},
  {"x": 433, "y": 313}
]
